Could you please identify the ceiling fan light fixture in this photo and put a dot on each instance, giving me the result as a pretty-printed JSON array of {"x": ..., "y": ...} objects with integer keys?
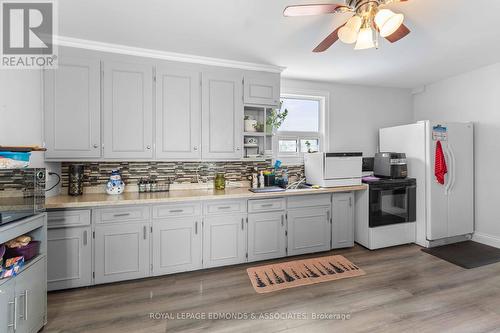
[
  {"x": 349, "y": 32},
  {"x": 388, "y": 22},
  {"x": 365, "y": 39}
]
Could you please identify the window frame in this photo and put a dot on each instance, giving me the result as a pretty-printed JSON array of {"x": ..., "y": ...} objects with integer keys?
[{"x": 321, "y": 135}]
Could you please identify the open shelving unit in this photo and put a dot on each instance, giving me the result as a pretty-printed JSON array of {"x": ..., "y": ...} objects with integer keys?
[{"x": 257, "y": 145}]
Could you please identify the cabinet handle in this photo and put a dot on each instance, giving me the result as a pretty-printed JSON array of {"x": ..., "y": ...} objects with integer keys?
[
  {"x": 196, "y": 228},
  {"x": 282, "y": 220},
  {"x": 121, "y": 214},
  {"x": 148, "y": 147},
  {"x": 176, "y": 210},
  {"x": 224, "y": 207},
  {"x": 267, "y": 205},
  {"x": 14, "y": 323},
  {"x": 145, "y": 232},
  {"x": 85, "y": 238},
  {"x": 238, "y": 148},
  {"x": 195, "y": 148},
  {"x": 242, "y": 223},
  {"x": 350, "y": 201},
  {"x": 26, "y": 305},
  {"x": 328, "y": 216},
  {"x": 95, "y": 146}
]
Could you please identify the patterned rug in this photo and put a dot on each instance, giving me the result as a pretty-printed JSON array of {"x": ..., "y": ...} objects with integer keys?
[{"x": 301, "y": 272}]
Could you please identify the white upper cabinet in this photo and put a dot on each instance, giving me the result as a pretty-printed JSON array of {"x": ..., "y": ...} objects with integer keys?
[
  {"x": 72, "y": 109},
  {"x": 128, "y": 110},
  {"x": 262, "y": 88},
  {"x": 222, "y": 110},
  {"x": 178, "y": 112}
]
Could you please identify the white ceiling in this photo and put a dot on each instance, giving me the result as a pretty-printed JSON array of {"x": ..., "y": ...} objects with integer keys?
[{"x": 448, "y": 36}]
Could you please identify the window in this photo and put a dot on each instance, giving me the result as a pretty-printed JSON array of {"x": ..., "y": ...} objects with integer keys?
[{"x": 302, "y": 130}]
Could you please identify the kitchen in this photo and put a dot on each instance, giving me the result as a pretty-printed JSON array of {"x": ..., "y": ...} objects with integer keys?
[{"x": 151, "y": 151}]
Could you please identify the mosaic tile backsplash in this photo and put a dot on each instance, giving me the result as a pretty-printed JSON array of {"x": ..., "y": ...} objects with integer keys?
[{"x": 97, "y": 173}]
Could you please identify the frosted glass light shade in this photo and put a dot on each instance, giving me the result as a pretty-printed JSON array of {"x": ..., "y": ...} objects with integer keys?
[
  {"x": 365, "y": 39},
  {"x": 349, "y": 32},
  {"x": 388, "y": 22}
]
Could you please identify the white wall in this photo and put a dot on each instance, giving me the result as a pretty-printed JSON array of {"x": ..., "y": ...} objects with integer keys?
[
  {"x": 473, "y": 96},
  {"x": 357, "y": 112},
  {"x": 21, "y": 114}
]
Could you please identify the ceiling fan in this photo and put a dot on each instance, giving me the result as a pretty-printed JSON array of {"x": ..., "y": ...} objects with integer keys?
[{"x": 370, "y": 20}]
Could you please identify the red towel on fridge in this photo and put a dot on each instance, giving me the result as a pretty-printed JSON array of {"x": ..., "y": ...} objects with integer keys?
[{"x": 440, "y": 168}]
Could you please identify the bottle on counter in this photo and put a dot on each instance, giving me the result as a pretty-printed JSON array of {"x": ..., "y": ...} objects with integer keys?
[
  {"x": 255, "y": 180},
  {"x": 220, "y": 181}
]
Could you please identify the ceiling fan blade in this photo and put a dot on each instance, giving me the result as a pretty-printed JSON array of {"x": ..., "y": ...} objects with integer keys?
[
  {"x": 402, "y": 32},
  {"x": 328, "y": 41},
  {"x": 305, "y": 10}
]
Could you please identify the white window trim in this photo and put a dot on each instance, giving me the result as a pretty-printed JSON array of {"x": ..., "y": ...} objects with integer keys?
[{"x": 323, "y": 135}]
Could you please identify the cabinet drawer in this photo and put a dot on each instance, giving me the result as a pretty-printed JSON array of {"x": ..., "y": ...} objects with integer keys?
[
  {"x": 121, "y": 214},
  {"x": 220, "y": 207},
  {"x": 310, "y": 200},
  {"x": 68, "y": 218},
  {"x": 190, "y": 209},
  {"x": 263, "y": 205}
]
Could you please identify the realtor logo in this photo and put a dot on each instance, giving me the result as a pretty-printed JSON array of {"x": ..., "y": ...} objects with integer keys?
[{"x": 27, "y": 34}]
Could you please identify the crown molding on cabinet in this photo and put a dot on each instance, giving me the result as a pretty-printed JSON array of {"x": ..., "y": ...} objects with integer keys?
[{"x": 151, "y": 53}]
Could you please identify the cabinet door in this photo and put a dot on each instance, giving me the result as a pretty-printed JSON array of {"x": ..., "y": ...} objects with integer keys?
[
  {"x": 7, "y": 296},
  {"x": 128, "y": 110},
  {"x": 222, "y": 110},
  {"x": 72, "y": 109},
  {"x": 343, "y": 220},
  {"x": 224, "y": 240},
  {"x": 308, "y": 230},
  {"x": 176, "y": 245},
  {"x": 121, "y": 252},
  {"x": 178, "y": 113},
  {"x": 262, "y": 88},
  {"x": 31, "y": 292},
  {"x": 69, "y": 257},
  {"x": 266, "y": 236}
]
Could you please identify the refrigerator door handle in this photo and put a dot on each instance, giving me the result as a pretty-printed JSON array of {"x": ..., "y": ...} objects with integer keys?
[
  {"x": 449, "y": 165},
  {"x": 453, "y": 163}
]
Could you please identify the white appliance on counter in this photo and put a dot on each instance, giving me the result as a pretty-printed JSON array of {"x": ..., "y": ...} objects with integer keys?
[
  {"x": 444, "y": 212},
  {"x": 333, "y": 169}
]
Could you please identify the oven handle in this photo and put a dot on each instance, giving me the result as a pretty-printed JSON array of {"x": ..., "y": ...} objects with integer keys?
[{"x": 411, "y": 203}]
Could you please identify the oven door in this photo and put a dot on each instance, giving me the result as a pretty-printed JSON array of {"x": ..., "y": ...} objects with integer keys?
[{"x": 392, "y": 205}]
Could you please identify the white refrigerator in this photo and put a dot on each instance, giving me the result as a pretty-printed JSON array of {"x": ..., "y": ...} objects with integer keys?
[{"x": 445, "y": 212}]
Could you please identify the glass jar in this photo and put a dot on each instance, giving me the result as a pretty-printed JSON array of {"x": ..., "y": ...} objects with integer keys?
[{"x": 220, "y": 181}]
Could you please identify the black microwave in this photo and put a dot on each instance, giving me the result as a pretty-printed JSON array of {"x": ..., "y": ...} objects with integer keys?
[{"x": 22, "y": 193}]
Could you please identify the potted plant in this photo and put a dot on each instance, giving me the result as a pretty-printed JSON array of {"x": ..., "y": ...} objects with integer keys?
[
  {"x": 250, "y": 124},
  {"x": 275, "y": 118}
]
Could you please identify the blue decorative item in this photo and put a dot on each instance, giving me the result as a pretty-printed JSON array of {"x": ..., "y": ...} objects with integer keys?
[{"x": 115, "y": 183}]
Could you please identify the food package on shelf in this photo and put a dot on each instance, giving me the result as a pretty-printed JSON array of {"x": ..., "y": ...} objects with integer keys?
[
  {"x": 12, "y": 267},
  {"x": 18, "y": 242}
]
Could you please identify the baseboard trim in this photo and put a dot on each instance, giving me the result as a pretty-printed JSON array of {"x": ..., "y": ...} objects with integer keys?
[{"x": 486, "y": 239}]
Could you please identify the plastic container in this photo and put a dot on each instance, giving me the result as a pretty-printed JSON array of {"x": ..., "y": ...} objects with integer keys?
[
  {"x": 28, "y": 252},
  {"x": 17, "y": 156},
  {"x": 14, "y": 160}
]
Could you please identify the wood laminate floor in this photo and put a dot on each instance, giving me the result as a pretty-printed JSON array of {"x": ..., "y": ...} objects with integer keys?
[{"x": 404, "y": 290}]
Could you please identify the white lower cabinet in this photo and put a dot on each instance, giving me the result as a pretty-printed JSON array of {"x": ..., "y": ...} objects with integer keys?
[
  {"x": 266, "y": 236},
  {"x": 121, "y": 252},
  {"x": 70, "y": 257},
  {"x": 224, "y": 240},
  {"x": 308, "y": 230},
  {"x": 23, "y": 300},
  {"x": 342, "y": 220},
  {"x": 176, "y": 245},
  {"x": 31, "y": 292}
]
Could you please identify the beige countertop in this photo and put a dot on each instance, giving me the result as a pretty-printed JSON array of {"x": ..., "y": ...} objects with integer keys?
[{"x": 135, "y": 198}]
